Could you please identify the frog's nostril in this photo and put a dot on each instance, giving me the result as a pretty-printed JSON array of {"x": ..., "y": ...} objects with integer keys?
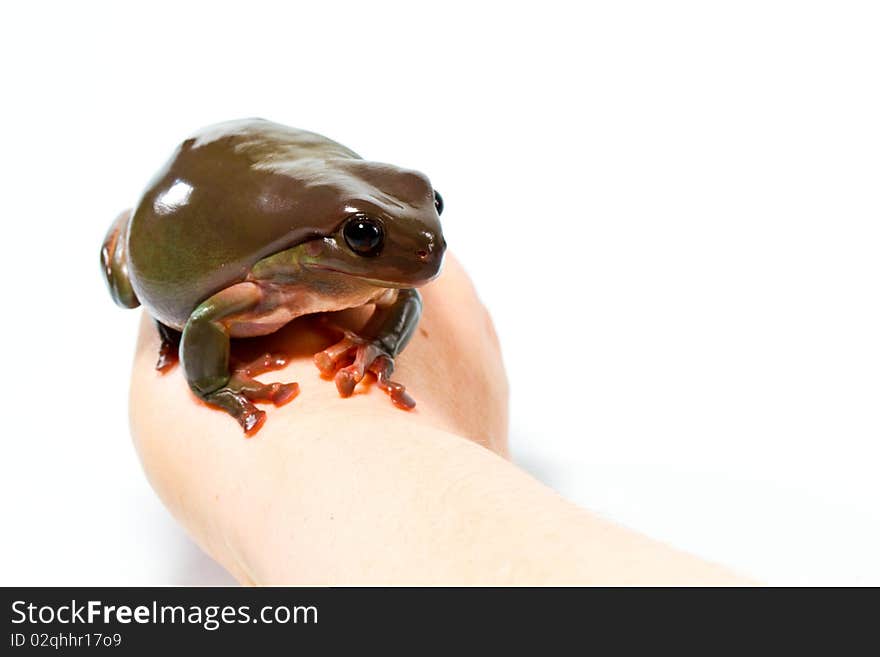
[{"x": 422, "y": 254}]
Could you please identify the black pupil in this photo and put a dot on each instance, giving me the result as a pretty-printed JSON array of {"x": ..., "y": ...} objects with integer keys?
[
  {"x": 363, "y": 235},
  {"x": 438, "y": 202}
]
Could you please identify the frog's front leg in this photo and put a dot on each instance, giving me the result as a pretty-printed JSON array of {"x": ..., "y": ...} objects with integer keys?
[
  {"x": 204, "y": 355},
  {"x": 385, "y": 335}
]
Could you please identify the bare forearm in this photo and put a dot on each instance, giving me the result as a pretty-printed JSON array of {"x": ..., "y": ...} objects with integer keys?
[
  {"x": 403, "y": 503},
  {"x": 417, "y": 505}
]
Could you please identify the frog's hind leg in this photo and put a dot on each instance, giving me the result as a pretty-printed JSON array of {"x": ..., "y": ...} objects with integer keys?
[
  {"x": 168, "y": 347},
  {"x": 204, "y": 354},
  {"x": 114, "y": 262}
]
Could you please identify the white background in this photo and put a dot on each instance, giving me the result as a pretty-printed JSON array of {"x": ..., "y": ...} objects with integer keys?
[{"x": 671, "y": 210}]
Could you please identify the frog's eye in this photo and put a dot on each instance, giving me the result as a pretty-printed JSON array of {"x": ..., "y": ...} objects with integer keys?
[
  {"x": 363, "y": 235},
  {"x": 438, "y": 202}
]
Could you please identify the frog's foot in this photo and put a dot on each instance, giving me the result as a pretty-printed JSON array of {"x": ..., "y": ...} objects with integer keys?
[
  {"x": 168, "y": 347},
  {"x": 369, "y": 355},
  {"x": 240, "y": 393},
  {"x": 167, "y": 357}
]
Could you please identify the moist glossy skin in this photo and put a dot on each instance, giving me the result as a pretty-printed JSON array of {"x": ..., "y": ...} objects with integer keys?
[
  {"x": 235, "y": 193},
  {"x": 244, "y": 229}
]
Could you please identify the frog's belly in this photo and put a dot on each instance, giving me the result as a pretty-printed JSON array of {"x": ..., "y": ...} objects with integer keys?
[{"x": 282, "y": 304}]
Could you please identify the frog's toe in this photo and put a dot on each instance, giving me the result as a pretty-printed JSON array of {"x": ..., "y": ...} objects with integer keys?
[
  {"x": 383, "y": 367},
  {"x": 238, "y": 406},
  {"x": 252, "y": 422},
  {"x": 346, "y": 379},
  {"x": 265, "y": 363},
  {"x": 328, "y": 360},
  {"x": 283, "y": 392},
  {"x": 276, "y": 393}
]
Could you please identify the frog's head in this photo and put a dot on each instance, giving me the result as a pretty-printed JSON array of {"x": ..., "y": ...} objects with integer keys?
[{"x": 389, "y": 230}]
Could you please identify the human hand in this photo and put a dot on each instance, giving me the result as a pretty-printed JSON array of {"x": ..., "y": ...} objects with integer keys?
[
  {"x": 224, "y": 487},
  {"x": 355, "y": 491}
]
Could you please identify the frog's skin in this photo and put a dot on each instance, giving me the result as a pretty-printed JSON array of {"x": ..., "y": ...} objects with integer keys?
[{"x": 251, "y": 224}]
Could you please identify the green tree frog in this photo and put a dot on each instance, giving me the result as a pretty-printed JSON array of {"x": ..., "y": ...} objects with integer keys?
[{"x": 251, "y": 224}]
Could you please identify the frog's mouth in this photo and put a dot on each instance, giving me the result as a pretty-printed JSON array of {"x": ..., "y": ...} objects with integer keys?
[{"x": 377, "y": 282}]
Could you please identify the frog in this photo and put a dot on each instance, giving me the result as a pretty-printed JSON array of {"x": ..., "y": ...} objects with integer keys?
[{"x": 251, "y": 224}]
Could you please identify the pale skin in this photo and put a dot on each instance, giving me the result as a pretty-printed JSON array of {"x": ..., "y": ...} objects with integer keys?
[{"x": 354, "y": 491}]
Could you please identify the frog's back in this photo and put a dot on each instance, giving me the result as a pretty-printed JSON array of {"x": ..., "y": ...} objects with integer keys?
[{"x": 230, "y": 195}]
